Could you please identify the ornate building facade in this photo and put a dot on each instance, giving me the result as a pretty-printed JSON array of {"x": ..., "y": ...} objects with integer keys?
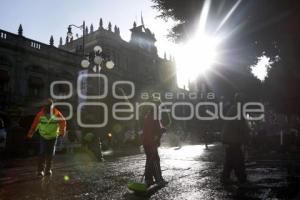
[{"x": 28, "y": 67}]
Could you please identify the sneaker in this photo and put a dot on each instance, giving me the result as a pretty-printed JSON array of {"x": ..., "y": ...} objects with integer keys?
[
  {"x": 40, "y": 174},
  {"x": 48, "y": 173}
]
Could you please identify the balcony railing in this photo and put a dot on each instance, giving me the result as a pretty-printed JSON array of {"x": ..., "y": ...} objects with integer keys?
[{"x": 3, "y": 35}]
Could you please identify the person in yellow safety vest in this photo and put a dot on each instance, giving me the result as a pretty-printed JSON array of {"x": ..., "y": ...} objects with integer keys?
[{"x": 49, "y": 123}]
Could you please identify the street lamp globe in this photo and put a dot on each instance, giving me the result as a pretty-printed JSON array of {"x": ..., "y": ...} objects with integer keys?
[
  {"x": 97, "y": 49},
  {"x": 85, "y": 63},
  {"x": 97, "y": 68},
  {"x": 98, "y": 60},
  {"x": 110, "y": 64}
]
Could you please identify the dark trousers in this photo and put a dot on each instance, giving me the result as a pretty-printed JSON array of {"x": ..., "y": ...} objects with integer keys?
[
  {"x": 234, "y": 161},
  {"x": 152, "y": 168},
  {"x": 47, "y": 151}
]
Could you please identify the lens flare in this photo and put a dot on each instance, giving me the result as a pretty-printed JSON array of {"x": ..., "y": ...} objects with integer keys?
[
  {"x": 66, "y": 178},
  {"x": 198, "y": 54},
  {"x": 195, "y": 58}
]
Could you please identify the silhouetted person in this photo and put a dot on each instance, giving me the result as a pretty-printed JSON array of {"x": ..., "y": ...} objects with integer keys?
[
  {"x": 152, "y": 132},
  {"x": 2, "y": 135},
  {"x": 3, "y": 141},
  {"x": 235, "y": 136},
  {"x": 49, "y": 123},
  {"x": 206, "y": 139}
]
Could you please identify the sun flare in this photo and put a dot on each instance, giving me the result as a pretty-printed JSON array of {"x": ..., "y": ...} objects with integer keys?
[
  {"x": 195, "y": 57},
  {"x": 199, "y": 53}
]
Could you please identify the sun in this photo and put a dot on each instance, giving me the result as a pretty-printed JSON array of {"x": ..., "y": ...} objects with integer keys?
[
  {"x": 194, "y": 58},
  {"x": 200, "y": 53}
]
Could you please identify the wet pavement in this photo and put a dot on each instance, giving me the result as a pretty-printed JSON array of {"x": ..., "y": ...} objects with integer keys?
[{"x": 192, "y": 173}]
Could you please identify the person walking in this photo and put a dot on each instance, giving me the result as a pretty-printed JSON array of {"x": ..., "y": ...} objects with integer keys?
[
  {"x": 49, "y": 123},
  {"x": 235, "y": 137},
  {"x": 152, "y": 132}
]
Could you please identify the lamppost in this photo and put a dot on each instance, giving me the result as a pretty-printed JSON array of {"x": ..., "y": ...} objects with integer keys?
[
  {"x": 96, "y": 61},
  {"x": 70, "y": 34}
]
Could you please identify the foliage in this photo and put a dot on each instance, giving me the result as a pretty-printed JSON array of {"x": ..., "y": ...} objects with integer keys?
[{"x": 256, "y": 26}]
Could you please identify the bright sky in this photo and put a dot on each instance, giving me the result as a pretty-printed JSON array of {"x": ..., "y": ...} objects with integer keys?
[{"x": 42, "y": 18}]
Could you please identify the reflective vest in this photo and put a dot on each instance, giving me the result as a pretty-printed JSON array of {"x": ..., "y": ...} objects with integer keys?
[{"x": 48, "y": 128}]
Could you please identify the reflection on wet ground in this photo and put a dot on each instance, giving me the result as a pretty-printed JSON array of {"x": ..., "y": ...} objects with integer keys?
[{"x": 192, "y": 172}]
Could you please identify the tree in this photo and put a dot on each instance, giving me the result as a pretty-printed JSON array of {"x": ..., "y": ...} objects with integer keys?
[
  {"x": 187, "y": 13},
  {"x": 256, "y": 26}
]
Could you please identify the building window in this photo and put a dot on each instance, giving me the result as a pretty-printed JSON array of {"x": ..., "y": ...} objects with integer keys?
[{"x": 35, "y": 86}]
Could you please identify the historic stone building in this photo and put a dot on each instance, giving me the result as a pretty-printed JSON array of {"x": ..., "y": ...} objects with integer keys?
[
  {"x": 28, "y": 67},
  {"x": 136, "y": 60}
]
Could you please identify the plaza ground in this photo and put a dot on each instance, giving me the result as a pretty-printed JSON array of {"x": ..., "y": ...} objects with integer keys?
[{"x": 192, "y": 173}]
